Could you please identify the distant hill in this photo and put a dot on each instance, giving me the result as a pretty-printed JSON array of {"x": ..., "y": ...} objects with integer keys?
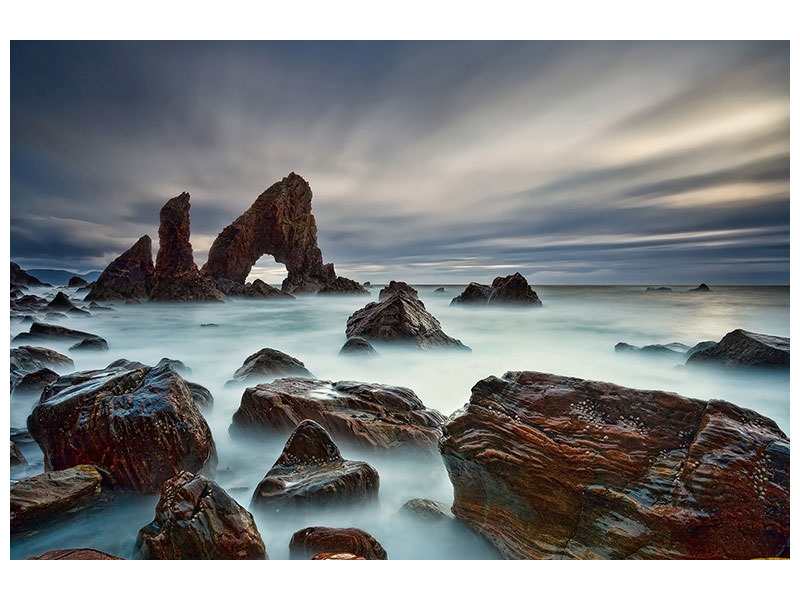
[{"x": 61, "y": 277}]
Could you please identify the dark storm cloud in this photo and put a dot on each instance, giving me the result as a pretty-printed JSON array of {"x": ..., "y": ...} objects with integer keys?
[{"x": 571, "y": 162}]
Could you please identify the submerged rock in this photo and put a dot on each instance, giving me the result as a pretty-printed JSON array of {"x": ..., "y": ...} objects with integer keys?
[
  {"x": 440, "y": 290},
  {"x": 546, "y": 466},
  {"x": 75, "y": 554},
  {"x": 659, "y": 289},
  {"x": 509, "y": 290},
  {"x": 701, "y": 288},
  {"x": 197, "y": 520},
  {"x": 267, "y": 364},
  {"x": 369, "y": 415},
  {"x": 77, "y": 282},
  {"x": 740, "y": 348},
  {"x": 93, "y": 344},
  {"x": 17, "y": 458},
  {"x": 45, "y": 331},
  {"x": 52, "y": 493},
  {"x": 431, "y": 511},
  {"x": 401, "y": 318},
  {"x": 140, "y": 425},
  {"x": 311, "y": 471},
  {"x": 672, "y": 349},
  {"x": 129, "y": 276},
  {"x": 177, "y": 278},
  {"x": 313, "y": 541},
  {"x": 30, "y": 359},
  {"x": 358, "y": 346}
]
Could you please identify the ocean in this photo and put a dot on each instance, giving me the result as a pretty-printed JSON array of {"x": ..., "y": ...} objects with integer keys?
[{"x": 572, "y": 334}]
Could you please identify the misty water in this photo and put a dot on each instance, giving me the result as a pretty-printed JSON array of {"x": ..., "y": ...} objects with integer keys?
[{"x": 573, "y": 334}]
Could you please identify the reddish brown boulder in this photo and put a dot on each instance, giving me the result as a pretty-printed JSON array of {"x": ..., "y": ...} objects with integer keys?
[
  {"x": 509, "y": 290},
  {"x": 130, "y": 275},
  {"x": 546, "y": 466},
  {"x": 197, "y": 520},
  {"x": 267, "y": 364},
  {"x": 336, "y": 556},
  {"x": 49, "y": 494},
  {"x": 75, "y": 554},
  {"x": 311, "y": 471},
  {"x": 34, "y": 382},
  {"x": 312, "y": 541},
  {"x": 741, "y": 348},
  {"x": 278, "y": 223},
  {"x": 370, "y": 415},
  {"x": 140, "y": 425},
  {"x": 400, "y": 318},
  {"x": 177, "y": 278}
]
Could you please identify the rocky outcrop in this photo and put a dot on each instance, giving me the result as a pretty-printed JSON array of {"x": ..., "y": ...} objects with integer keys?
[
  {"x": 60, "y": 302},
  {"x": 342, "y": 285},
  {"x": 92, "y": 344},
  {"x": 546, "y": 466},
  {"x": 34, "y": 382},
  {"x": 77, "y": 282},
  {"x": 47, "y": 332},
  {"x": 357, "y": 346},
  {"x": 658, "y": 289},
  {"x": 667, "y": 350},
  {"x": 16, "y": 456},
  {"x": 369, "y": 415},
  {"x": 26, "y": 360},
  {"x": 177, "y": 278},
  {"x": 510, "y": 290},
  {"x": 268, "y": 364},
  {"x": 741, "y": 348},
  {"x": 312, "y": 541},
  {"x": 440, "y": 290},
  {"x": 130, "y": 275},
  {"x": 429, "y": 511},
  {"x": 140, "y": 425},
  {"x": 278, "y": 223},
  {"x": 53, "y": 493},
  {"x": 22, "y": 279},
  {"x": 197, "y": 520},
  {"x": 400, "y": 318},
  {"x": 701, "y": 288},
  {"x": 397, "y": 287},
  {"x": 698, "y": 347},
  {"x": 311, "y": 471},
  {"x": 75, "y": 554}
]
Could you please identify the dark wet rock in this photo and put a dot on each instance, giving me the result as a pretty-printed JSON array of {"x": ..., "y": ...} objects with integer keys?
[
  {"x": 672, "y": 349},
  {"x": 85, "y": 289},
  {"x": 55, "y": 316},
  {"x": 370, "y": 415},
  {"x": 28, "y": 302},
  {"x": 336, "y": 556},
  {"x": 133, "y": 301},
  {"x": 140, "y": 425},
  {"x": 267, "y": 364},
  {"x": 366, "y": 284},
  {"x": 440, "y": 290},
  {"x": 195, "y": 519},
  {"x": 396, "y": 287},
  {"x": 400, "y": 318},
  {"x": 427, "y": 510},
  {"x": 209, "y": 325},
  {"x": 312, "y": 541},
  {"x": 17, "y": 457},
  {"x": 740, "y": 348},
  {"x": 75, "y": 554},
  {"x": 79, "y": 312},
  {"x": 77, "y": 282},
  {"x": 201, "y": 395},
  {"x": 700, "y": 346},
  {"x": 175, "y": 364},
  {"x": 358, "y": 346},
  {"x": 545, "y": 466},
  {"x": 21, "y": 278},
  {"x": 45, "y": 331},
  {"x": 311, "y": 472},
  {"x": 93, "y": 344},
  {"x": 35, "y": 381},
  {"x": 95, "y": 306},
  {"x": 52, "y": 493},
  {"x": 259, "y": 289},
  {"x": 342, "y": 285},
  {"x": 510, "y": 290},
  {"x": 120, "y": 363},
  {"x": 129, "y": 276},
  {"x": 659, "y": 289},
  {"x": 16, "y": 293},
  {"x": 29, "y": 359},
  {"x": 60, "y": 302},
  {"x": 177, "y": 278},
  {"x": 701, "y": 288},
  {"x": 278, "y": 223}
]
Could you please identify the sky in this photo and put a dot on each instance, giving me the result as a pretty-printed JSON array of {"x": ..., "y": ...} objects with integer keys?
[{"x": 430, "y": 162}]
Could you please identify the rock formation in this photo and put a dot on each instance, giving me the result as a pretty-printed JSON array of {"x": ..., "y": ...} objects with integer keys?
[
  {"x": 357, "y": 346},
  {"x": 52, "y": 493},
  {"x": 312, "y": 541},
  {"x": 177, "y": 278},
  {"x": 396, "y": 287},
  {"x": 46, "y": 332},
  {"x": 75, "y": 554},
  {"x": 430, "y": 511},
  {"x": 140, "y": 425},
  {"x": 60, "y": 302},
  {"x": 77, "y": 282},
  {"x": 546, "y": 466},
  {"x": 369, "y": 415},
  {"x": 21, "y": 278},
  {"x": 267, "y": 364},
  {"x": 667, "y": 350},
  {"x": 701, "y": 288},
  {"x": 278, "y": 223},
  {"x": 197, "y": 520},
  {"x": 400, "y": 317},
  {"x": 336, "y": 556},
  {"x": 130, "y": 275},
  {"x": 510, "y": 290},
  {"x": 90, "y": 344},
  {"x": 311, "y": 471},
  {"x": 16, "y": 456},
  {"x": 741, "y": 348},
  {"x": 30, "y": 359}
]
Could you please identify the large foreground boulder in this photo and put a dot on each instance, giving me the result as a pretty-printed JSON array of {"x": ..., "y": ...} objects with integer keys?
[
  {"x": 311, "y": 471},
  {"x": 369, "y": 415},
  {"x": 509, "y": 290},
  {"x": 130, "y": 275},
  {"x": 197, "y": 520},
  {"x": 75, "y": 554},
  {"x": 52, "y": 493},
  {"x": 546, "y": 466},
  {"x": 177, "y": 278},
  {"x": 400, "y": 317},
  {"x": 267, "y": 364},
  {"x": 312, "y": 541},
  {"x": 741, "y": 348},
  {"x": 139, "y": 424}
]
